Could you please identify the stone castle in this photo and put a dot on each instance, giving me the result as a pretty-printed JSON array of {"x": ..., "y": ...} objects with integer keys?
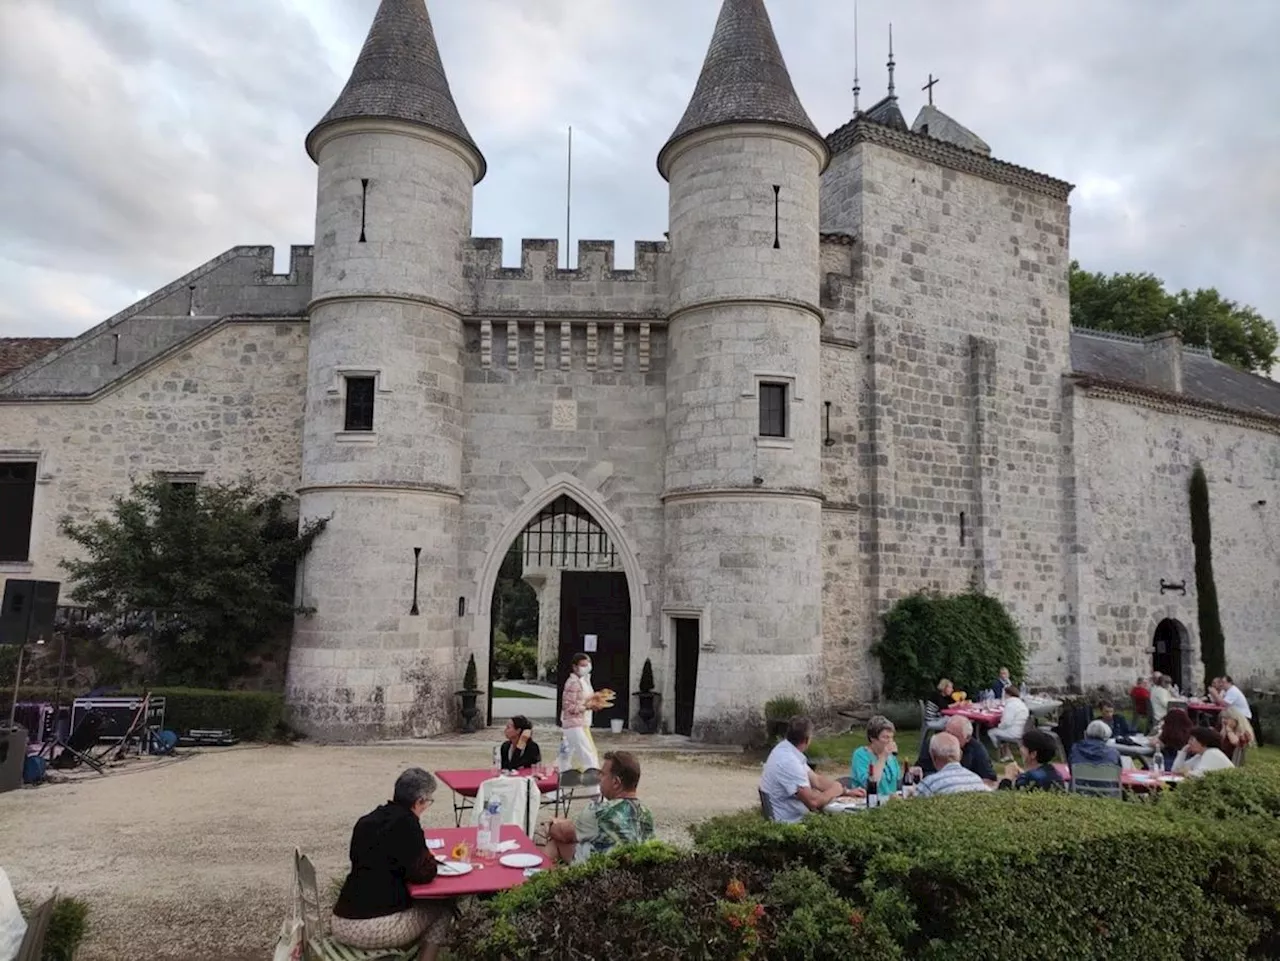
[{"x": 847, "y": 375}]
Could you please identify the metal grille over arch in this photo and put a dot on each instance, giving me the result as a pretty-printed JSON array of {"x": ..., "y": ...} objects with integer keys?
[{"x": 565, "y": 535}]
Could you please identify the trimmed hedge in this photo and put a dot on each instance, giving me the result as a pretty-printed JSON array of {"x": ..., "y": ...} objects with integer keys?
[
  {"x": 964, "y": 637},
  {"x": 1010, "y": 876},
  {"x": 1229, "y": 795},
  {"x": 250, "y": 715}
]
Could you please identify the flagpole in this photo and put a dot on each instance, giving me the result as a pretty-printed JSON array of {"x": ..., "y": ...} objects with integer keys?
[{"x": 568, "y": 200}]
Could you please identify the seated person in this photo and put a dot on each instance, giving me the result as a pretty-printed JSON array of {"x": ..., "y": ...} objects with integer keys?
[
  {"x": 618, "y": 818},
  {"x": 950, "y": 776},
  {"x": 792, "y": 788},
  {"x": 877, "y": 763},
  {"x": 1001, "y": 683},
  {"x": 1202, "y": 754},
  {"x": 1037, "y": 772},
  {"x": 1094, "y": 749},
  {"x": 1237, "y": 733},
  {"x": 941, "y": 697},
  {"x": 1012, "y": 722},
  {"x": 388, "y": 853},
  {"x": 973, "y": 756},
  {"x": 1161, "y": 695},
  {"x": 519, "y": 750},
  {"x": 1171, "y": 736},
  {"x": 1119, "y": 724}
]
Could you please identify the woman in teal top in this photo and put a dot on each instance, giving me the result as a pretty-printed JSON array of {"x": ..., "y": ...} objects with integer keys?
[{"x": 877, "y": 762}]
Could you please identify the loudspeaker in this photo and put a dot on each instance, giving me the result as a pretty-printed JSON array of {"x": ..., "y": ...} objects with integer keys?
[{"x": 28, "y": 610}]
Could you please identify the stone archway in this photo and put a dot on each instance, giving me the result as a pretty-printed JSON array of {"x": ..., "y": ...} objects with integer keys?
[
  {"x": 1171, "y": 650},
  {"x": 588, "y": 504}
]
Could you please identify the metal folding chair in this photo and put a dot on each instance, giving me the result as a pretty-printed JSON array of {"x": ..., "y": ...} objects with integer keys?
[
  {"x": 1096, "y": 780},
  {"x": 317, "y": 945},
  {"x": 587, "y": 782}
]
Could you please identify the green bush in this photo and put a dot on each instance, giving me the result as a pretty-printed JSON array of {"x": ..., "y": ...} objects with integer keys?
[
  {"x": 657, "y": 902},
  {"x": 1212, "y": 640},
  {"x": 1065, "y": 877},
  {"x": 965, "y": 637},
  {"x": 782, "y": 708},
  {"x": 1229, "y": 795},
  {"x": 250, "y": 715},
  {"x": 515, "y": 658}
]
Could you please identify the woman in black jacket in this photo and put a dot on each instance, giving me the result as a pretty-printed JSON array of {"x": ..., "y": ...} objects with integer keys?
[
  {"x": 519, "y": 750},
  {"x": 388, "y": 853}
]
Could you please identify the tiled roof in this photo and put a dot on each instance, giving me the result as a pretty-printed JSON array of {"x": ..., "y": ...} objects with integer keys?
[
  {"x": 18, "y": 352},
  {"x": 1120, "y": 360},
  {"x": 399, "y": 76},
  {"x": 887, "y": 112},
  {"x": 744, "y": 78}
]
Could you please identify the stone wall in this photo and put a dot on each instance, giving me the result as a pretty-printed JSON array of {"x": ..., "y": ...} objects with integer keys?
[
  {"x": 229, "y": 403},
  {"x": 549, "y": 411},
  {"x": 961, "y": 284},
  {"x": 1133, "y": 465}
]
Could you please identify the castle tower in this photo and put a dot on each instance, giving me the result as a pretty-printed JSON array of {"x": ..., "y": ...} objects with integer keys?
[
  {"x": 742, "y": 503},
  {"x": 382, "y": 443}
]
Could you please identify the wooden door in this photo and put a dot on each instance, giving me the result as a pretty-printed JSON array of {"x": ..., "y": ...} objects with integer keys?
[
  {"x": 597, "y": 604},
  {"x": 688, "y": 641}
]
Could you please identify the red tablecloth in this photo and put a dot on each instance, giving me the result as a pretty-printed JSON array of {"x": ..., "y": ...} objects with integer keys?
[
  {"x": 485, "y": 877},
  {"x": 978, "y": 716},
  {"x": 467, "y": 783},
  {"x": 1193, "y": 706}
]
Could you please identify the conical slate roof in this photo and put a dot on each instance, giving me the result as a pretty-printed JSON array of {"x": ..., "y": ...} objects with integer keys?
[
  {"x": 743, "y": 79},
  {"x": 399, "y": 76}
]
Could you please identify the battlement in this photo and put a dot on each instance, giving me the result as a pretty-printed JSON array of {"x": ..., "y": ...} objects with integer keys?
[{"x": 539, "y": 286}]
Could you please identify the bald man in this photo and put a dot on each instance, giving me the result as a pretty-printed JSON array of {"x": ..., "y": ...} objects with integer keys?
[{"x": 973, "y": 755}]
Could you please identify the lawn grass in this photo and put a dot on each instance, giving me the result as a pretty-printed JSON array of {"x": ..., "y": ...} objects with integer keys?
[{"x": 507, "y": 692}]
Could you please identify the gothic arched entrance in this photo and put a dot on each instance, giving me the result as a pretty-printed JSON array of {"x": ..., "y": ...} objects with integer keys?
[
  {"x": 583, "y": 604},
  {"x": 1170, "y": 645}
]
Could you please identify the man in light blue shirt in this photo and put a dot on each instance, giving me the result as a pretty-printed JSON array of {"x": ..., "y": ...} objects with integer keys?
[
  {"x": 950, "y": 777},
  {"x": 789, "y": 787}
]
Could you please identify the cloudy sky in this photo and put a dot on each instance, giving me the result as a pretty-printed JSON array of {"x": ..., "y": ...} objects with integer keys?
[{"x": 139, "y": 138}]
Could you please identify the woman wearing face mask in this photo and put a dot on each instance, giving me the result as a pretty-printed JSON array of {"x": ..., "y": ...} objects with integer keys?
[{"x": 578, "y": 703}]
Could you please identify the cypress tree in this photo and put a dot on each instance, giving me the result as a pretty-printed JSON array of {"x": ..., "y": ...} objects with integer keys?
[{"x": 1212, "y": 642}]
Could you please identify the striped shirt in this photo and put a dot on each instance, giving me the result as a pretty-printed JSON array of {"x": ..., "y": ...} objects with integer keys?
[{"x": 952, "y": 779}]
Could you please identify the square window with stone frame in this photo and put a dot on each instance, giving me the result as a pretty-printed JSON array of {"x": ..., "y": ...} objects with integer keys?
[
  {"x": 358, "y": 412},
  {"x": 773, "y": 410},
  {"x": 17, "y": 503}
]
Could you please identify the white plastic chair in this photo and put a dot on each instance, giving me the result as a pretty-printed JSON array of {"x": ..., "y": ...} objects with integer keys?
[{"x": 519, "y": 798}]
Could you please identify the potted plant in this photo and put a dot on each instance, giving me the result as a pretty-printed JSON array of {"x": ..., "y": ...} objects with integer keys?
[
  {"x": 469, "y": 695},
  {"x": 649, "y": 699},
  {"x": 777, "y": 712}
]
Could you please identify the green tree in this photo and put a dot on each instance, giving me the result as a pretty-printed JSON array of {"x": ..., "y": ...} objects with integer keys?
[
  {"x": 1213, "y": 644},
  {"x": 515, "y": 602},
  {"x": 216, "y": 565},
  {"x": 1138, "y": 304}
]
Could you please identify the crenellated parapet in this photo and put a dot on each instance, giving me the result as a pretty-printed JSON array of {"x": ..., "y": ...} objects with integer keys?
[{"x": 541, "y": 287}]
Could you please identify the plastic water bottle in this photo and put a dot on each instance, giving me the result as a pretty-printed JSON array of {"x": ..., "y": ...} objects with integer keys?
[
  {"x": 563, "y": 761},
  {"x": 497, "y": 759},
  {"x": 490, "y": 828}
]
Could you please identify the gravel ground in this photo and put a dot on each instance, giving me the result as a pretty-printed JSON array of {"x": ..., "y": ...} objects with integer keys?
[{"x": 191, "y": 859}]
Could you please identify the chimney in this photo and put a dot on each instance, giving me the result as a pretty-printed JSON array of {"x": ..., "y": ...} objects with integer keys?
[{"x": 1162, "y": 361}]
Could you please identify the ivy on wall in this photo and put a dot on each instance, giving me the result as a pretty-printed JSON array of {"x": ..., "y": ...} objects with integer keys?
[{"x": 1212, "y": 642}]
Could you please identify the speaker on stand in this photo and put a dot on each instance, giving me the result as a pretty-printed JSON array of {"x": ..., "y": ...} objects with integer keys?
[{"x": 27, "y": 614}]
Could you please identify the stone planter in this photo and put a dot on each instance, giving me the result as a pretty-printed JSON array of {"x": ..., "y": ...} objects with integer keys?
[
  {"x": 470, "y": 713},
  {"x": 648, "y": 713}
]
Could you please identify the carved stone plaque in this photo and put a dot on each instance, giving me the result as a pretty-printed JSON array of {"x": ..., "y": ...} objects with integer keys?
[{"x": 564, "y": 415}]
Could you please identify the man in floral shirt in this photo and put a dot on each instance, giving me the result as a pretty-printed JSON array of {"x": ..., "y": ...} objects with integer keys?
[{"x": 618, "y": 818}]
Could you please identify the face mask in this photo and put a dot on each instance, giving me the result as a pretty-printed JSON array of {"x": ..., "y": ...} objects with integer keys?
[{"x": 584, "y": 670}]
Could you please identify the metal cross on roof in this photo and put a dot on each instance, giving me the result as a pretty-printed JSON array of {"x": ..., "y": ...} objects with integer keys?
[{"x": 929, "y": 87}]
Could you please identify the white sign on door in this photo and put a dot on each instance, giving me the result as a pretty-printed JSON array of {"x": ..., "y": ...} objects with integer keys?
[{"x": 589, "y": 642}]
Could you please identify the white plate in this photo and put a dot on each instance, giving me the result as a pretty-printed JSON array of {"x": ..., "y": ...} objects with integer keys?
[
  {"x": 454, "y": 869},
  {"x": 521, "y": 860}
]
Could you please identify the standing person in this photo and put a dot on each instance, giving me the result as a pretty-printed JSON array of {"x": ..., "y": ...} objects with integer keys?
[
  {"x": 519, "y": 749},
  {"x": 577, "y": 705},
  {"x": 877, "y": 763},
  {"x": 1140, "y": 694},
  {"x": 1161, "y": 695},
  {"x": 388, "y": 853}
]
